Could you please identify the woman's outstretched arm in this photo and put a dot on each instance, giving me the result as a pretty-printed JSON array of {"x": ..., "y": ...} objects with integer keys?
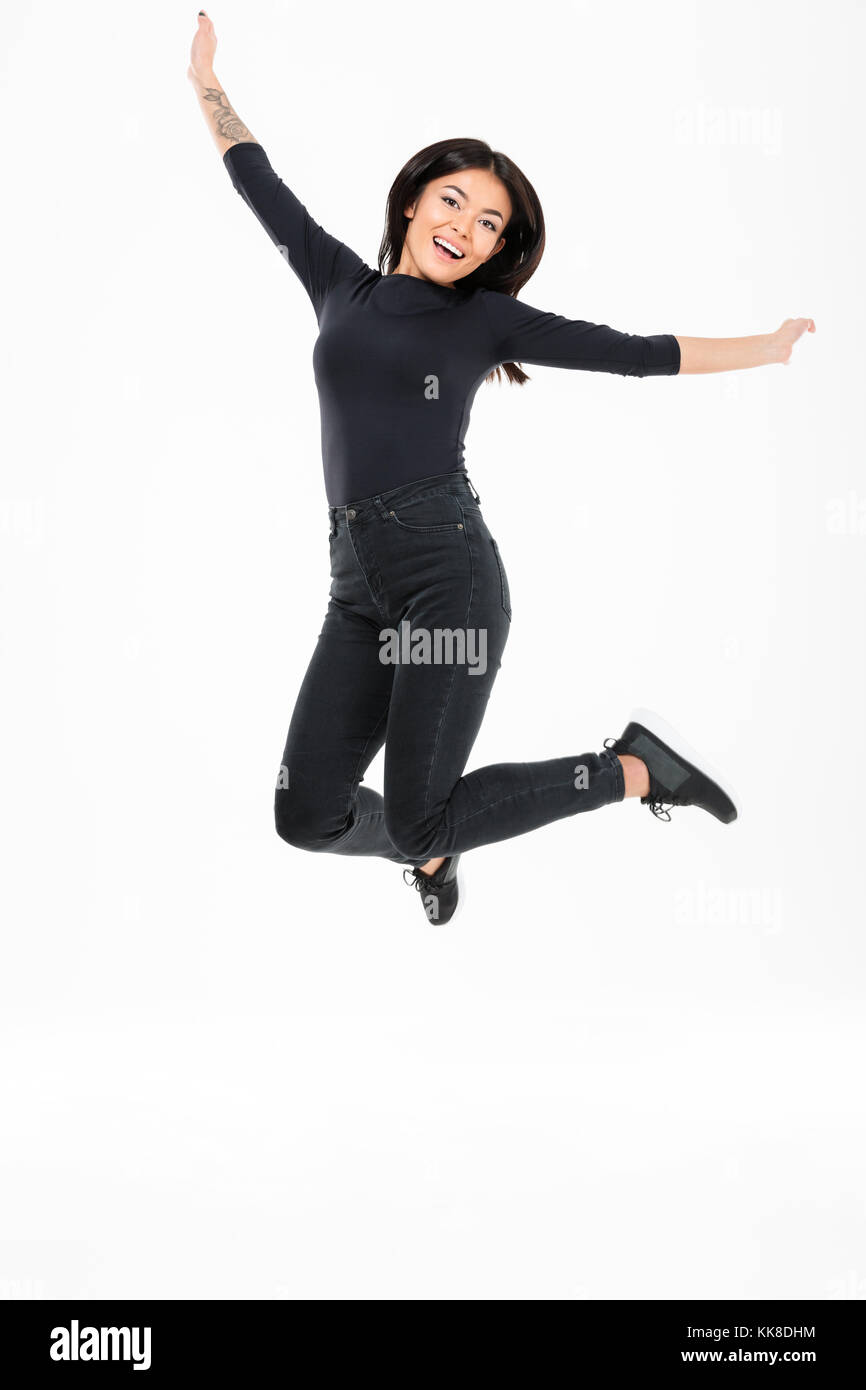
[
  {"x": 522, "y": 333},
  {"x": 732, "y": 354},
  {"x": 224, "y": 124}
]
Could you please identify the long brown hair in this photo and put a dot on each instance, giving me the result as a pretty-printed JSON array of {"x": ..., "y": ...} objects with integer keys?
[{"x": 507, "y": 271}]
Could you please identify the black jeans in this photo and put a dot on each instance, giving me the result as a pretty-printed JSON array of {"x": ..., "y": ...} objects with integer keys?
[{"x": 417, "y": 621}]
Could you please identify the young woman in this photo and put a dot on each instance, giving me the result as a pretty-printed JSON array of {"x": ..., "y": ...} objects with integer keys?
[{"x": 419, "y": 608}]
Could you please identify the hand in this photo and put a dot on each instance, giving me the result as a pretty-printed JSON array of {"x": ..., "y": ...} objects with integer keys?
[
  {"x": 786, "y": 336},
  {"x": 202, "y": 52}
]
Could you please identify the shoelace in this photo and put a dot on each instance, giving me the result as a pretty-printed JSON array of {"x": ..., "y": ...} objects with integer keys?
[
  {"x": 423, "y": 882},
  {"x": 658, "y": 804}
]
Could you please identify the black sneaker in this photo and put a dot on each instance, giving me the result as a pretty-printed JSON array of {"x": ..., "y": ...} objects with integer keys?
[
  {"x": 440, "y": 892},
  {"x": 678, "y": 775}
]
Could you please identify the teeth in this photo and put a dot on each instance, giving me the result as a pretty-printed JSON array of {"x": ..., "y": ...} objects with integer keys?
[{"x": 442, "y": 242}]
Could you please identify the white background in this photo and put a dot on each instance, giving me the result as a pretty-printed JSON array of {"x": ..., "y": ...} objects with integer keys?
[{"x": 633, "y": 1068}]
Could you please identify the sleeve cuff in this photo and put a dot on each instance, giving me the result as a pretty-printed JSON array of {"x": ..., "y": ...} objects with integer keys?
[
  {"x": 241, "y": 144},
  {"x": 663, "y": 355}
]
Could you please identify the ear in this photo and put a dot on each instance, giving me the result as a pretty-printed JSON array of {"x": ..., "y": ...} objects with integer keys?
[
  {"x": 497, "y": 248},
  {"x": 409, "y": 211}
]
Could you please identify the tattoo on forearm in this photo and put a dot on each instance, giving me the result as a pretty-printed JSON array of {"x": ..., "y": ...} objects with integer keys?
[{"x": 228, "y": 123}]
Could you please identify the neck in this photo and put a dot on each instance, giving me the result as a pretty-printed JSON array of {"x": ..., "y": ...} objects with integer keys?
[{"x": 408, "y": 267}]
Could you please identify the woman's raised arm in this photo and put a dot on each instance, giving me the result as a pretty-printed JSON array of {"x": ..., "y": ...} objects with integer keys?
[
  {"x": 319, "y": 259},
  {"x": 224, "y": 124}
]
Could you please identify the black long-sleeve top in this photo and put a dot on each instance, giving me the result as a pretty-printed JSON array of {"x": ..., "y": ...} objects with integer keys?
[{"x": 398, "y": 359}]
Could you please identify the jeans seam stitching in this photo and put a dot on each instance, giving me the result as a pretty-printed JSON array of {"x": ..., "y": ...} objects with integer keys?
[
  {"x": 502, "y": 585},
  {"x": 378, "y": 607},
  {"x": 432, "y": 492},
  {"x": 451, "y": 685}
]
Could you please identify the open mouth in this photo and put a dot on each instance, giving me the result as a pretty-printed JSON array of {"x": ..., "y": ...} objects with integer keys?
[{"x": 446, "y": 249}]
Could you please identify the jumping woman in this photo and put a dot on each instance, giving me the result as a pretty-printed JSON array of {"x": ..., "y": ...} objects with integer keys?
[{"x": 419, "y": 607}]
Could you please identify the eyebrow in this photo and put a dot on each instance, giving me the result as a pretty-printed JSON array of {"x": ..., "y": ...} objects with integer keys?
[{"x": 464, "y": 195}]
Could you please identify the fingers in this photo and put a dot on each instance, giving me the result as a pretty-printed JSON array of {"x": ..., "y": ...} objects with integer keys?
[{"x": 205, "y": 27}]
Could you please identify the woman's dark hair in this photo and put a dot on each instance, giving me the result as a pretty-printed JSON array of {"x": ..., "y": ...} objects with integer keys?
[{"x": 507, "y": 271}]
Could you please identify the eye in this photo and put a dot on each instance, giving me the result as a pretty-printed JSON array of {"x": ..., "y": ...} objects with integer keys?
[{"x": 446, "y": 198}]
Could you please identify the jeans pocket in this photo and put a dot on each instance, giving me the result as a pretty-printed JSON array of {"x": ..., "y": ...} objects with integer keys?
[
  {"x": 435, "y": 511},
  {"x": 503, "y": 580}
]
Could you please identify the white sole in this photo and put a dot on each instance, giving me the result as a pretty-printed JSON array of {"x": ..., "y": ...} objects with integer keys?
[{"x": 674, "y": 739}]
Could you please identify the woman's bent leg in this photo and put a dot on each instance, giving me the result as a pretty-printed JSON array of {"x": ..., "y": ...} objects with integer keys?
[
  {"x": 432, "y": 809},
  {"x": 337, "y": 727}
]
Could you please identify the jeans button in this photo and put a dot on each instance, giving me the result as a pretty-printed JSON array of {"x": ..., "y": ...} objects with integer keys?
[{"x": 351, "y": 512}]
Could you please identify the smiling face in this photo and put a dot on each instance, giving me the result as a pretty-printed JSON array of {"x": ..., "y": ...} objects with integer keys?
[{"x": 468, "y": 210}]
